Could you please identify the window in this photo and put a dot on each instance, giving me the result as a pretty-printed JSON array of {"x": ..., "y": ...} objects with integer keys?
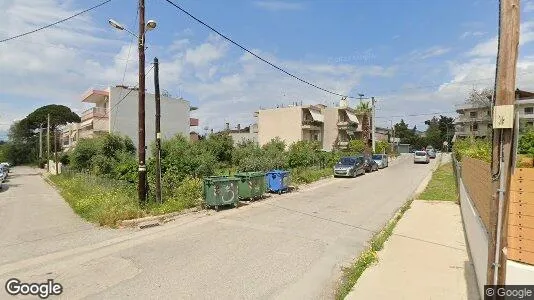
[
  {"x": 529, "y": 110},
  {"x": 488, "y": 112},
  {"x": 473, "y": 114},
  {"x": 530, "y": 124},
  {"x": 475, "y": 127}
]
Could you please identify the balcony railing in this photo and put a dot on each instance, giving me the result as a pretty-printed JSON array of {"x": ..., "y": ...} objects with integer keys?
[
  {"x": 311, "y": 123},
  {"x": 93, "y": 112}
]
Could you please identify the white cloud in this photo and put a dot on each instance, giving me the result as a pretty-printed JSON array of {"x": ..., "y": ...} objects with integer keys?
[
  {"x": 472, "y": 34},
  {"x": 430, "y": 52},
  {"x": 275, "y": 5}
]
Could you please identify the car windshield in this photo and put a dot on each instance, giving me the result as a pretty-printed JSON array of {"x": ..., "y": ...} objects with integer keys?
[
  {"x": 347, "y": 161},
  {"x": 420, "y": 153},
  {"x": 377, "y": 157}
]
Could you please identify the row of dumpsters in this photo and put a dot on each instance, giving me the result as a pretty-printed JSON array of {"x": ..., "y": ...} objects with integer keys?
[{"x": 219, "y": 191}]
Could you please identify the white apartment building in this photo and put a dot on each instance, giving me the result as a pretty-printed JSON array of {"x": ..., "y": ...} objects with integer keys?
[
  {"x": 476, "y": 120},
  {"x": 115, "y": 110}
]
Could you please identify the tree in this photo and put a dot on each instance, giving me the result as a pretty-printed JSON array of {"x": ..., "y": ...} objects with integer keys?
[
  {"x": 364, "y": 109},
  {"x": 439, "y": 130},
  {"x": 480, "y": 97},
  {"x": 59, "y": 115}
]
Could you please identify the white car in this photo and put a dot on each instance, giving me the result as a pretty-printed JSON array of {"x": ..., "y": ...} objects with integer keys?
[{"x": 421, "y": 157}]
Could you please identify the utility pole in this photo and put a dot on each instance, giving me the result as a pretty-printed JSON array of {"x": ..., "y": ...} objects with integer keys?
[
  {"x": 48, "y": 144},
  {"x": 141, "y": 147},
  {"x": 40, "y": 142},
  {"x": 55, "y": 150},
  {"x": 158, "y": 130},
  {"x": 373, "y": 123},
  {"x": 503, "y": 120}
]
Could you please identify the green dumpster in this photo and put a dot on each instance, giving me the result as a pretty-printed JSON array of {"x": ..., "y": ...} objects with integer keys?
[
  {"x": 220, "y": 190},
  {"x": 251, "y": 185}
]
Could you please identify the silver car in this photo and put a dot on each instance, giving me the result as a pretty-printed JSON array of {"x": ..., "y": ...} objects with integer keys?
[
  {"x": 421, "y": 157},
  {"x": 381, "y": 160}
]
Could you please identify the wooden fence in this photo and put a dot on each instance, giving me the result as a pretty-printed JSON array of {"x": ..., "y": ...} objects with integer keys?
[
  {"x": 521, "y": 217},
  {"x": 476, "y": 176}
]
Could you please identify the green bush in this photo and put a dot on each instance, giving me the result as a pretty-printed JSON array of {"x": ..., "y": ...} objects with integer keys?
[
  {"x": 303, "y": 154},
  {"x": 356, "y": 147},
  {"x": 64, "y": 159},
  {"x": 383, "y": 147},
  {"x": 186, "y": 194},
  {"x": 478, "y": 149},
  {"x": 309, "y": 175}
]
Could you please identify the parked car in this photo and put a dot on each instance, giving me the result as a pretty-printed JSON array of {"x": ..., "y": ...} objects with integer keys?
[
  {"x": 381, "y": 160},
  {"x": 421, "y": 157},
  {"x": 370, "y": 165},
  {"x": 431, "y": 153},
  {"x": 350, "y": 166},
  {"x": 3, "y": 175}
]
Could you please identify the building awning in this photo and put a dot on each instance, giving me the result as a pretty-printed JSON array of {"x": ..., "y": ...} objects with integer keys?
[
  {"x": 352, "y": 117},
  {"x": 317, "y": 116},
  {"x": 86, "y": 123}
]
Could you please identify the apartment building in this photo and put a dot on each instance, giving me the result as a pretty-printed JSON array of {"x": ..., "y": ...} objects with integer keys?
[
  {"x": 475, "y": 120},
  {"x": 115, "y": 110},
  {"x": 340, "y": 126},
  {"x": 291, "y": 124},
  {"x": 240, "y": 135}
]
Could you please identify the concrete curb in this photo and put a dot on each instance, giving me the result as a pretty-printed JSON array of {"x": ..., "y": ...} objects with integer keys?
[{"x": 152, "y": 221}]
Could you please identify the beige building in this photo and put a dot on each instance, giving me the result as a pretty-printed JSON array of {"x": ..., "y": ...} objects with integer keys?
[
  {"x": 332, "y": 127},
  {"x": 291, "y": 124},
  {"x": 115, "y": 109},
  {"x": 240, "y": 135},
  {"x": 340, "y": 126}
]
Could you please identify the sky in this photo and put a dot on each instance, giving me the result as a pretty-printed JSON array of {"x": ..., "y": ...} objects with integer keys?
[{"x": 417, "y": 58}]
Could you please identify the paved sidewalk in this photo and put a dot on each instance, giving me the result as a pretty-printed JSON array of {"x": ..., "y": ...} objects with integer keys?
[{"x": 425, "y": 258}]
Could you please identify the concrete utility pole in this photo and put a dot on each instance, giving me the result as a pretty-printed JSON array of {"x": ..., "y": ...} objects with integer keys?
[
  {"x": 373, "y": 131},
  {"x": 503, "y": 120},
  {"x": 48, "y": 144},
  {"x": 141, "y": 147},
  {"x": 158, "y": 131}
]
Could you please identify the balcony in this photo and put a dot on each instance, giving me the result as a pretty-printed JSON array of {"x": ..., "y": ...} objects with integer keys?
[
  {"x": 347, "y": 126},
  {"x": 311, "y": 124},
  {"x": 468, "y": 119},
  {"x": 94, "y": 112}
]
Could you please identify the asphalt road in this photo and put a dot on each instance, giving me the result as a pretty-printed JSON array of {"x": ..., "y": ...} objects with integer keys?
[{"x": 286, "y": 247}]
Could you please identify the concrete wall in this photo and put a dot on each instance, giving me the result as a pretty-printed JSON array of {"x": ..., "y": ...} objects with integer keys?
[
  {"x": 285, "y": 123},
  {"x": 476, "y": 235},
  {"x": 519, "y": 273},
  {"x": 124, "y": 120}
]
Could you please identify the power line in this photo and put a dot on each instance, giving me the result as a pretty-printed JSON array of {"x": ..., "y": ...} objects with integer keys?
[
  {"x": 417, "y": 115},
  {"x": 257, "y": 56},
  {"x": 55, "y": 23}
]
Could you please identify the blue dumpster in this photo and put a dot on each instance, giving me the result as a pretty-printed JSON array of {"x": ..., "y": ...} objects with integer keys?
[{"x": 277, "y": 181}]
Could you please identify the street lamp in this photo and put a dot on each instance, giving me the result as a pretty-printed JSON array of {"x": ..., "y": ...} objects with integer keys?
[{"x": 143, "y": 28}]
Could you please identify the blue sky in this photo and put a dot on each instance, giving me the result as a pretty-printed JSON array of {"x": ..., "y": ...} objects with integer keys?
[{"x": 415, "y": 57}]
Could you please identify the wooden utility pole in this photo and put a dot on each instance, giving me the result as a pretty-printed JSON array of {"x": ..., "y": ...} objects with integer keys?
[
  {"x": 55, "y": 151},
  {"x": 48, "y": 144},
  {"x": 141, "y": 187},
  {"x": 503, "y": 120},
  {"x": 40, "y": 142},
  {"x": 158, "y": 131}
]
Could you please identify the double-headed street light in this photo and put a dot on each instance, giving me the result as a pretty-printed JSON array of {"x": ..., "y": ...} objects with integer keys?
[{"x": 143, "y": 28}]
